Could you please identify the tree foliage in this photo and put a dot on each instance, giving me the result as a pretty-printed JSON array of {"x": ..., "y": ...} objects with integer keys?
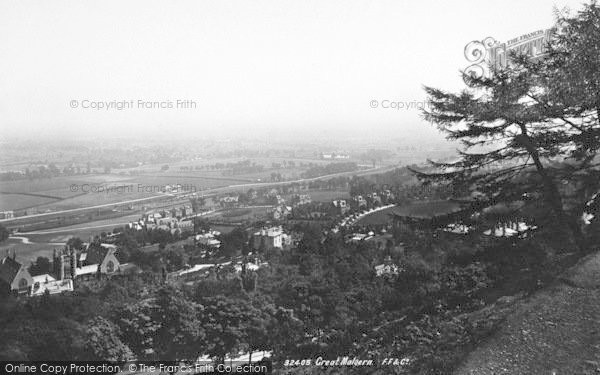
[{"x": 528, "y": 127}]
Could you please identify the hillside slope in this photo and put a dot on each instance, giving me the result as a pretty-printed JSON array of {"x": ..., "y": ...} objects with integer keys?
[{"x": 555, "y": 331}]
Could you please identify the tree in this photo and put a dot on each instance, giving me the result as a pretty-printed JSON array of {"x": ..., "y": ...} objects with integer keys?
[
  {"x": 224, "y": 319},
  {"x": 521, "y": 134},
  {"x": 233, "y": 242},
  {"x": 127, "y": 244},
  {"x": 40, "y": 266},
  {"x": 75, "y": 243},
  {"x": 197, "y": 203},
  {"x": 175, "y": 260},
  {"x": 138, "y": 327},
  {"x": 201, "y": 225},
  {"x": 180, "y": 335},
  {"x": 4, "y": 233},
  {"x": 260, "y": 326},
  {"x": 103, "y": 342}
]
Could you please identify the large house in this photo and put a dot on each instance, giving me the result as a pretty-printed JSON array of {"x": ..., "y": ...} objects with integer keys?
[
  {"x": 14, "y": 276},
  {"x": 229, "y": 201},
  {"x": 387, "y": 268},
  {"x": 185, "y": 225},
  {"x": 361, "y": 201},
  {"x": 300, "y": 199},
  {"x": 270, "y": 238},
  {"x": 187, "y": 210},
  {"x": 282, "y": 212},
  {"x": 341, "y": 205},
  {"x": 209, "y": 239}
]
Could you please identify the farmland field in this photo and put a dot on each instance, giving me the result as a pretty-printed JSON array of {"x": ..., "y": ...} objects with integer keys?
[
  {"x": 70, "y": 192},
  {"x": 21, "y": 201},
  {"x": 54, "y": 193},
  {"x": 62, "y": 193},
  {"x": 197, "y": 181},
  {"x": 28, "y": 252},
  {"x": 42, "y": 243}
]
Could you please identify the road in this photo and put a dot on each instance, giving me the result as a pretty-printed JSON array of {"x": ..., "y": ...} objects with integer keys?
[
  {"x": 212, "y": 191},
  {"x": 27, "y": 241}
]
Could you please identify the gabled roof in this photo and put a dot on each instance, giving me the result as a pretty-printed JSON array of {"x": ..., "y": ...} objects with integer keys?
[
  {"x": 9, "y": 269},
  {"x": 96, "y": 254},
  {"x": 86, "y": 270}
]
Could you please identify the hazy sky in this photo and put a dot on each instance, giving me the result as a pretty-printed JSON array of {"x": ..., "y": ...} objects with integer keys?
[{"x": 249, "y": 66}]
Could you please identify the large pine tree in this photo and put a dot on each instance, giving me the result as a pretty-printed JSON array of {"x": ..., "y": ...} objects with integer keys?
[{"x": 529, "y": 129}]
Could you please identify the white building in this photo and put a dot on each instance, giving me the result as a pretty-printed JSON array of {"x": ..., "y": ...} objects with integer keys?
[
  {"x": 208, "y": 239},
  {"x": 387, "y": 268},
  {"x": 269, "y": 238},
  {"x": 43, "y": 283}
]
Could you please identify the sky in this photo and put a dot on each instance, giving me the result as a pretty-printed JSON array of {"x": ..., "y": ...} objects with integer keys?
[{"x": 225, "y": 68}]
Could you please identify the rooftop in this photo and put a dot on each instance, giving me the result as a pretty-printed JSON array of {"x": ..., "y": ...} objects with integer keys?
[
  {"x": 9, "y": 269},
  {"x": 43, "y": 278}
]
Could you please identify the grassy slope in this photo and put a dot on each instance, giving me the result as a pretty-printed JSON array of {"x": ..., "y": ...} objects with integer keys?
[{"x": 555, "y": 331}]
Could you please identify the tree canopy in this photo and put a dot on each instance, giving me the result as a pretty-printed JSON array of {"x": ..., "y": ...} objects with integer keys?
[{"x": 529, "y": 128}]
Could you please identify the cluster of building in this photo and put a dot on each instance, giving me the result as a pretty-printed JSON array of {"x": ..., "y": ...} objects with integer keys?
[
  {"x": 374, "y": 198},
  {"x": 591, "y": 209},
  {"x": 450, "y": 215},
  {"x": 93, "y": 260},
  {"x": 361, "y": 202},
  {"x": 334, "y": 155},
  {"x": 4, "y": 215},
  {"x": 283, "y": 211},
  {"x": 229, "y": 201},
  {"x": 209, "y": 239},
  {"x": 68, "y": 265},
  {"x": 300, "y": 199},
  {"x": 175, "y": 220}
]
